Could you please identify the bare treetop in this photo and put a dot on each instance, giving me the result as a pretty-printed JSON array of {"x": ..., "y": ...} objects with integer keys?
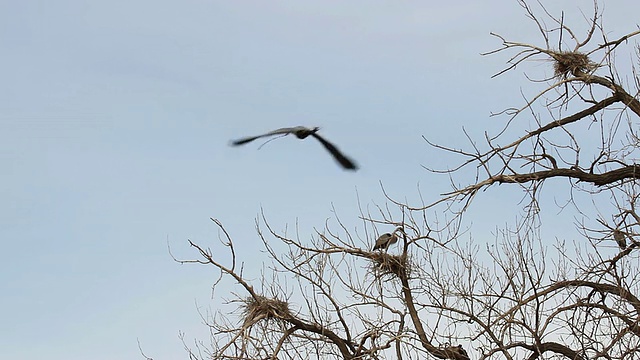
[
  {"x": 583, "y": 78},
  {"x": 444, "y": 294}
]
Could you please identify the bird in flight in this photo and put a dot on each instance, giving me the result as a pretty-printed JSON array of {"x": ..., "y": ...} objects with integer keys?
[
  {"x": 387, "y": 239},
  {"x": 302, "y": 132}
]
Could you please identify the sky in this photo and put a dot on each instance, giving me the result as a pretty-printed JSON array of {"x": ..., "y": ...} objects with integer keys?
[{"x": 115, "y": 122}]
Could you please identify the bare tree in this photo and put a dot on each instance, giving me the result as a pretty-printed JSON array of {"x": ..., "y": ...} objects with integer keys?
[{"x": 436, "y": 296}]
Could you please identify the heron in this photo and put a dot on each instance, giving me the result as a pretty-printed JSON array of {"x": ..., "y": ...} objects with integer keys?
[
  {"x": 302, "y": 132},
  {"x": 387, "y": 239},
  {"x": 462, "y": 352},
  {"x": 618, "y": 236}
]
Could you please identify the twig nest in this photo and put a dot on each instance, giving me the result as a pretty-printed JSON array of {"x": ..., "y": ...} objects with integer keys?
[
  {"x": 572, "y": 63},
  {"x": 256, "y": 309},
  {"x": 387, "y": 264}
]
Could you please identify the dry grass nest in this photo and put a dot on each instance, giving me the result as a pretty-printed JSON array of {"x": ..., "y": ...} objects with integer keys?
[
  {"x": 572, "y": 63},
  {"x": 256, "y": 309},
  {"x": 387, "y": 264}
]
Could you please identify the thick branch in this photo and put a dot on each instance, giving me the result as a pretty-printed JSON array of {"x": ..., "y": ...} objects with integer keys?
[
  {"x": 627, "y": 172},
  {"x": 575, "y": 117},
  {"x": 564, "y": 121},
  {"x": 618, "y": 90},
  {"x": 609, "y": 177},
  {"x": 345, "y": 348},
  {"x": 440, "y": 353},
  {"x": 540, "y": 349}
]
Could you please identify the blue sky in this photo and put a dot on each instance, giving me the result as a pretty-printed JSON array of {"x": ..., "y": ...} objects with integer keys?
[{"x": 115, "y": 119}]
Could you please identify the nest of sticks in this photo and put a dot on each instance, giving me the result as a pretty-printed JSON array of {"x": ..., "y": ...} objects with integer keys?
[
  {"x": 572, "y": 63},
  {"x": 261, "y": 307},
  {"x": 387, "y": 264}
]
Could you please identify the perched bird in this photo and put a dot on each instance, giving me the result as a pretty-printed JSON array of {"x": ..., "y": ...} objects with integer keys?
[
  {"x": 302, "y": 132},
  {"x": 618, "y": 236},
  {"x": 451, "y": 350},
  {"x": 462, "y": 352},
  {"x": 387, "y": 239}
]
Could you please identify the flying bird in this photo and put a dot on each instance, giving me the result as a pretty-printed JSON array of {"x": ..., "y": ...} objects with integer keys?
[
  {"x": 387, "y": 239},
  {"x": 302, "y": 132}
]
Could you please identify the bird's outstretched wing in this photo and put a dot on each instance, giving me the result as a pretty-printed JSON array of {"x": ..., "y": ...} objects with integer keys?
[
  {"x": 302, "y": 132},
  {"x": 245, "y": 140},
  {"x": 343, "y": 160},
  {"x": 281, "y": 131}
]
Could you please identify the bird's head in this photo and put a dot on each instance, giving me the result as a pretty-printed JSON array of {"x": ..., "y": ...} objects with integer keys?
[
  {"x": 399, "y": 229},
  {"x": 302, "y": 132}
]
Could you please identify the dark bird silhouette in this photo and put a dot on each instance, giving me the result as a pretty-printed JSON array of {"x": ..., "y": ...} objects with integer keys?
[
  {"x": 387, "y": 239},
  {"x": 619, "y": 237},
  {"x": 302, "y": 132},
  {"x": 462, "y": 352}
]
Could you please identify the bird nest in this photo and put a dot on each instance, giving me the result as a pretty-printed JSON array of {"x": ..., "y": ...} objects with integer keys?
[
  {"x": 260, "y": 307},
  {"x": 387, "y": 264},
  {"x": 572, "y": 63}
]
